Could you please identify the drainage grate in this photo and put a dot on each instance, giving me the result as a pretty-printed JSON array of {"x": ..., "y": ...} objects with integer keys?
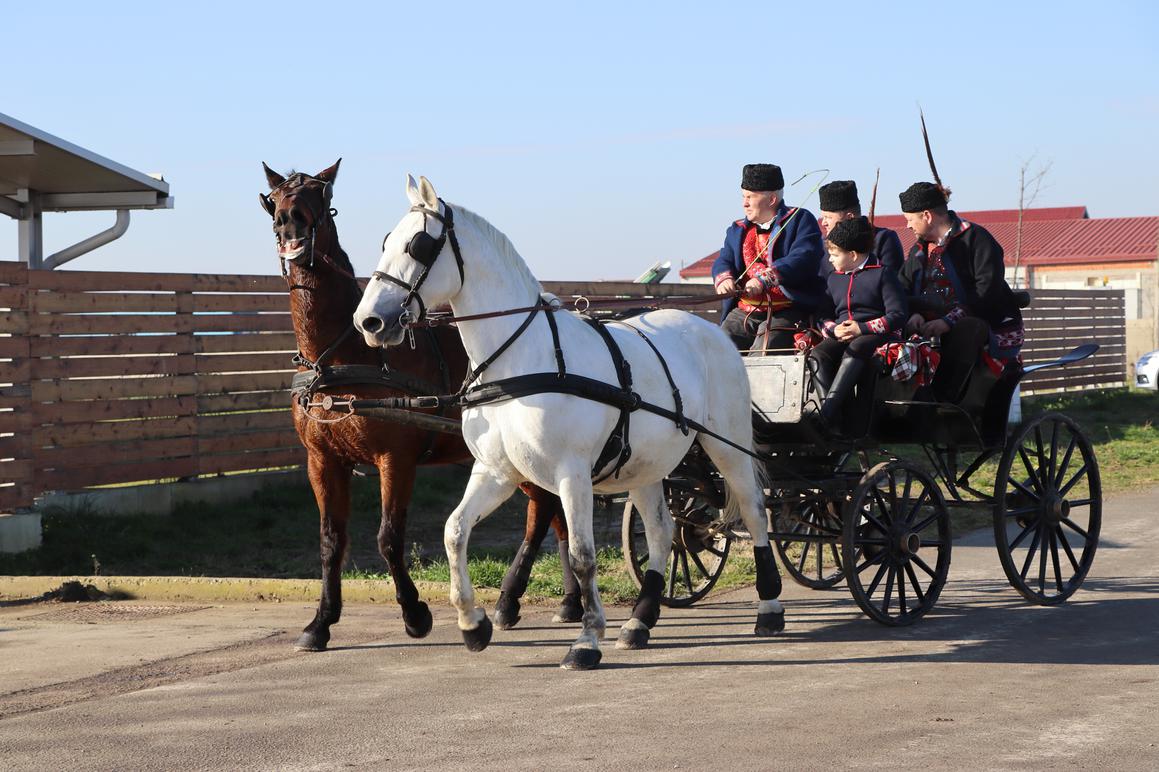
[{"x": 109, "y": 612}]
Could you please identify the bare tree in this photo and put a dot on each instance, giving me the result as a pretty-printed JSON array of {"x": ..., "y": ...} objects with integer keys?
[{"x": 1030, "y": 184}]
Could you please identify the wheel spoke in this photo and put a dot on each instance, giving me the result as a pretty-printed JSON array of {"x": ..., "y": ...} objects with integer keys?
[
  {"x": 672, "y": 575},
  {"x": 804, "y": 557},
  {"x": 917, "y": 587},
  {"x": 901, "y": 607},
  {"x": 1062, "y": 467},
  {"x": 1081, "y": 503},
  {"x": 886, "y": 512},
  {"x": 712, "y": 548},
  {"x": 836, "y": 556},
  {"x": 1058, "y": 532},
  {"x": 1076, "y": 529},
  {"x": 1038, "y": 486},
  {"x": 820, "y": 560},
  {"x": 1042, "y": 565},
  {"x": 875, "y": 523},
  {"x": 1023, "y": 489},
  {"x": 1030, "y": 553},
  {"x": 909, "y": 478},
  {"x": 1070, "y": 483},
  {"x": 1051, "y": 469},
  {"x": 888, "y": 592},
  {"x": 699, "y": 565},
  {"x": 1054, "y": 560},
  {"x": 687, "y": 572},
  {"x": 876, "y": 579},
  {"x": 917, "y": 506},
  {"x": 1018, "y": 539},
  {"x": 1020, "y": 511},
  {"x": 922, "y": 565},
  {"x": 878, "y": 558}
]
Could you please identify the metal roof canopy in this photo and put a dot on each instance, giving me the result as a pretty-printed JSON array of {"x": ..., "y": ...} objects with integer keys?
[{"x": 42, "y": 173}]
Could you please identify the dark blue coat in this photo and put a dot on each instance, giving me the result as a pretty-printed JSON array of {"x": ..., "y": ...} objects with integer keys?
[
  {"x": 797, "y": 256},
  {"x": 871, "y": 296},
  {"x": 887, "y": 247}
]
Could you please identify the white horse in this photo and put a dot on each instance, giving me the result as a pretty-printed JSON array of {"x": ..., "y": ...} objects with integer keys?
[{"x": 554, "y": 439}]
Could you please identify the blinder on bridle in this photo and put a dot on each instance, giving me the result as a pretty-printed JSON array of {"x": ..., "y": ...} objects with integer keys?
[
  {"x": 424, "y": 249},
  {"x": 290, "y": 187}
]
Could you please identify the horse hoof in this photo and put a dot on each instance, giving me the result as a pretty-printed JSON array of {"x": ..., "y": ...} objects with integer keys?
[
  {"x": 418, "y": 624},
  {"x": 581, "y": 659},
  {"x": 478, "y": 638},
  {"x": 570, "y": 610},
  {"x": 311, "y": 641},
  {"x": 770, "y": 624},
  {"x": 633, "y": 637},
  {"x": 506, "y": 613}
]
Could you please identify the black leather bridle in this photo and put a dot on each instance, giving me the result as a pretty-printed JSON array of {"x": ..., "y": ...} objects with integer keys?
[
  {"x": 289, "y": 188},
  {"x": 424, "y": 249}
]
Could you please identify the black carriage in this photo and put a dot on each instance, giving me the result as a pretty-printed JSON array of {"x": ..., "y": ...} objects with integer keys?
[{"x": 852, "y": 510}]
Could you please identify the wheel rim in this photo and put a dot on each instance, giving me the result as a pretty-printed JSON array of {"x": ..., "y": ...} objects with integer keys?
[
  {"x": 698, "y": 553},
  {"x": 813, "y": 559},
  {"x": 1047, "y": 509},
  {"x": 896, "y": 543}
]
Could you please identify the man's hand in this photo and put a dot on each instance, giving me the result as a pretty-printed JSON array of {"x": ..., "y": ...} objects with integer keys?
[
  {"x": 935, "y": 328},
  {"x": 847, "y": 330},
  {"x": 753, "y": 289},
  {"x": 914, "y": 324},
  {"x": 726, "y": 287}
]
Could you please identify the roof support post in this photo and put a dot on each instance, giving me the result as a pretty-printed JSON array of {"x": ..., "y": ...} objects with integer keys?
[{"x": 30, "y": 230}]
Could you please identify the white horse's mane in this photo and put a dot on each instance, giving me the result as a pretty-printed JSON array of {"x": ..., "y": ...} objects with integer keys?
[{"x": 506, "y": 250}]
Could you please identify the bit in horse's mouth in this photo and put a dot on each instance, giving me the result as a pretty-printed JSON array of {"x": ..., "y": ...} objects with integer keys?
[{"x": 292, "y": 249}]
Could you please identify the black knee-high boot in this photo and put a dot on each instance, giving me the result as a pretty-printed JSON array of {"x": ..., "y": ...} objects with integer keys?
[{"x": 842, "y": 386}]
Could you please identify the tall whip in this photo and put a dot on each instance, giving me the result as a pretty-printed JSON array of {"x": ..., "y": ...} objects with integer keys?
[
  {"x": 873, "y": 199},
  {"x": 930, "y": 155}
]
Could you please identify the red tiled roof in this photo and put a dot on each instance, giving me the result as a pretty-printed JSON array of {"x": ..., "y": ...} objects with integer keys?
[{"x": 1050, "y": 236}]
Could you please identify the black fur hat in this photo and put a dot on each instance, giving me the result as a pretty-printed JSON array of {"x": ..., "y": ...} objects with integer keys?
[
  {"x": 922, "y": 196},
  {"x": 839, "y": 196},
  {"x": 854, "y": 235},
  {"x": 762, "y": 177}
]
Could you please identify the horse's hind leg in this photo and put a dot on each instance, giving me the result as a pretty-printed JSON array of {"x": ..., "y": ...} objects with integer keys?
[
  {"x": 541, "y": 510},
  {"x": 571, "y": 607},
  {"x": 658, "y": 529},
  {"x": 743, "y": 481},
  {"x": 331, "y": 483},
  {"x": 575, "y": 490},
  {"x": 396, "y": 480},
  {"x": 485, "y": 491}
]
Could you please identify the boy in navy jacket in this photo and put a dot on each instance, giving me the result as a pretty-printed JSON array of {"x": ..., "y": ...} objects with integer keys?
[{"x": 864, "y": 306}]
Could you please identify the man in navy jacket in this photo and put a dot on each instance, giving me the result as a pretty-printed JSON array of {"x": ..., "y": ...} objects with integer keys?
[
  {"x": 772, "y": 258},
  {"x": 839, "y": 202}
]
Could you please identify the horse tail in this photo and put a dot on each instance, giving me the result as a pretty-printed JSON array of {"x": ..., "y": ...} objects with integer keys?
[{"x": 732, "y": 506}]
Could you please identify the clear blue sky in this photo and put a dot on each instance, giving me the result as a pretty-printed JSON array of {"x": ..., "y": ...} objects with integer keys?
[{"x": 599, "y": 136}]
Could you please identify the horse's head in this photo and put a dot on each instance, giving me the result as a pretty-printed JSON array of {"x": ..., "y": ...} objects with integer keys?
[
  {"x": 410, "y": 278},
  {"x": 299, "y": 205}
]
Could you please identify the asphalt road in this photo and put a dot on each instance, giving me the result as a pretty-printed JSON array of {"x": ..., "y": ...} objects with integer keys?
[{"x": 984, "y": 681}]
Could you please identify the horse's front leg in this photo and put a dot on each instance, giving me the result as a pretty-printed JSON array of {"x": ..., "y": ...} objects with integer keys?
[
  {"x": 330, "y": 480},
  {"x": 541, "y": 508},
  {"x": 485, "y": 491},
  {"x": 396, "y": 481},
  {"x": 658, "y": 529},
  {"x": 575, "y": 491}
]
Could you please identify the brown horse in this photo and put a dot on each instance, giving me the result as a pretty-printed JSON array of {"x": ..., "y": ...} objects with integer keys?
[{"x": 323, "y": 296}]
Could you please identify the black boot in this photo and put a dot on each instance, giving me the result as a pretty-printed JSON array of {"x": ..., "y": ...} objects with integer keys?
[{"x": 847, "y": 376}]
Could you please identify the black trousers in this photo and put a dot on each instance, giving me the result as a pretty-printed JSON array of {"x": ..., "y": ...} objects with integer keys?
[
  {"x": 747, "y": 329},
  {"x": 960, "y": 349},
  {"x": 828, "y": 353}
]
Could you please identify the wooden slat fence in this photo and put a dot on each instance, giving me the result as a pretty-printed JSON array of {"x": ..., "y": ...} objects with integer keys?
[
  {"x": 110, "y": 378},
  {"x": 1059, "y": 320}
]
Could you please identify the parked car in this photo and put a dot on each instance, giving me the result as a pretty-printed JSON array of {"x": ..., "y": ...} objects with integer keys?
[{"x": 1147, "y": 371}]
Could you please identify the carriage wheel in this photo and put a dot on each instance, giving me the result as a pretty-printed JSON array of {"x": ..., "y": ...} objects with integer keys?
[
  {"x": 1047, "y": 499},
  {"x": 814, "y": 564},
  {"x": 896, "y": 543},
  {"x": 698, "y": 553}
]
